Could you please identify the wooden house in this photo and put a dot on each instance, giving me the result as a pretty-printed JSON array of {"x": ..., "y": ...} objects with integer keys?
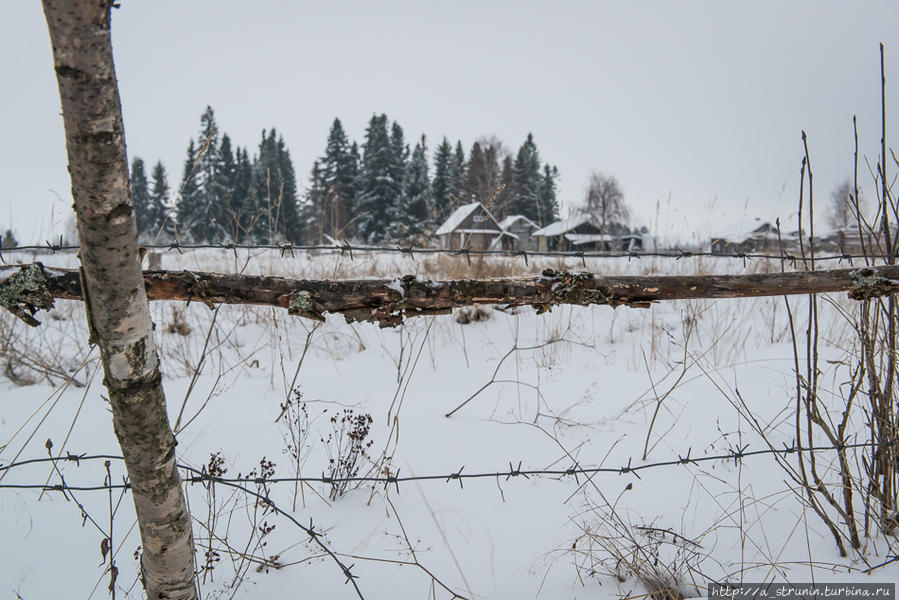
[
  {"x": 752, "y": 235},
  {"x": 522, "y": 230},
  {"x": 472, "y": 226}
]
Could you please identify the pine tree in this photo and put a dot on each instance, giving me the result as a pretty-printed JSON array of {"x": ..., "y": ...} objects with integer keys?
[
  {"x": 333, "y": 186},
  {"x": 243, "y": 213},
  {"x": 442, "y": 185},
  {"x": 140, "y": 192},
  {"x": 379, "y": 186},
  {"x": 202, "y": 206},
  {"x": 505, "y": 199},
  {"x": 549, "y": 205},
  {"x": 527, "y": 179},
  {"x": 9, "y": 240},
  {"x": 474, "y": 173},
  {"x": 224, "y": 180},
  {"x": 490, "y": 177},
  {"x": 458, "y": 194},
  {"x": 399, "y": 155},
  {"x": 187, "y": 200},
  {"x": 409, "y": 218},
  {"x": 273, "y": 192},
  {"x": 161, "y": 226},
  {"x": 316, "y": 207},
  {"x": 482, "y": 177}
]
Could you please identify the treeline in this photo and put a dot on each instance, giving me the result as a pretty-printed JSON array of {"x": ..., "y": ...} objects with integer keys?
[{"x": 383, "y": 192}]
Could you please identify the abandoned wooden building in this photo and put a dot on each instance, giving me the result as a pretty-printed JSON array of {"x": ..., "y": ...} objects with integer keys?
[
  {"x": 472, "y": 226},
  {"x": 522, "y": 229},
  {"x": 582, "y": 233}
]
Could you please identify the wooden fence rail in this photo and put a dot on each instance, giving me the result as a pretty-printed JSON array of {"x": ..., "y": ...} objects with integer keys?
[{"x": 24, "y": 289}]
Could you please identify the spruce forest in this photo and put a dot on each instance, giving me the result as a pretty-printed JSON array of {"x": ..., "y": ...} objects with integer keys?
[{"x": 387, "y": 190}]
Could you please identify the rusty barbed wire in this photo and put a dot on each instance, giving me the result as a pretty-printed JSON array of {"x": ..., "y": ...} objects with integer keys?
[
  {"x": 288, "y": 250},
  {"x": 736, "y": 454}
]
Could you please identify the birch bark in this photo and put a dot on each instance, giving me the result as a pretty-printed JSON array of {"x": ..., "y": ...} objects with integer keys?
[{"x": 115, "y": 298}]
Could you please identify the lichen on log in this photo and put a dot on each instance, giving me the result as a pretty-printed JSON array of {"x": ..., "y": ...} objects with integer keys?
[{"x": 24, "y": 292}]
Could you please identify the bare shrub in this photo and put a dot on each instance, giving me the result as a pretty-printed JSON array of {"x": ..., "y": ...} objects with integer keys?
[{"x": 347, "y": 446}]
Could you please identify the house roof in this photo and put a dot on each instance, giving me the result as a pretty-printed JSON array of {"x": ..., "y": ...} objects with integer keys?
[
  {"x": 587, "y": 238},
  {"x": 742, "y": 230},
  {"x": 511, "y": 219},
  {"x": 460, "y": 214},
  {"x": 562, "y": 227}
]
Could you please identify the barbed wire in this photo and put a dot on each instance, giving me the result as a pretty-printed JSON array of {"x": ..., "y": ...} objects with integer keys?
[
  {"x": 262, "y": 483},
  {"x": 736, "y": 455},
  {"x": 63, "y": 487},
  {"x": 347, "y": 248}
]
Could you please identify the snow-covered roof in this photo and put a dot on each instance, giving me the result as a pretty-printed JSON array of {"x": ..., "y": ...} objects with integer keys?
[
  {"x": 511, "y": 219},
  {"x": 561, "y": 227},
  {"x": 458, "y": 217},
  {"x": 484, "y": 231},
  {"x": 587, "y": 238},
  {"x": 740, "y": 231}
]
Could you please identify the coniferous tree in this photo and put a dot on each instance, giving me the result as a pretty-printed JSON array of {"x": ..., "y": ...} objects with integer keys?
[
  {"x": 273, "y": 190},
  {"x": 188, "y": 192},
  {"x": 491, "y": 177},
  {"x": 316, "y": 207},
  {"x": 409, "y": 219},
  {"x": 379, "y": 186},
  {"x": 442, "y": 185},
  {"x": 482, "y": 177},
  {"x": 224, "y": 182},
  {"x": 505, "y": 199},
  {"x": 9, "y": 240},
  {"x": 241, "y": 209},
  {"x": 458, "y": 194},
  {"x": 161, "y": 226},
  {"x": 140, "y": 192},
  {"x": 334, "y": 186},
  {"x": 549, "y": 205},
  {"x": 527, "y": 179},
  {"x": 399, "y": 155},
  {"x": 201, "y": 208}
]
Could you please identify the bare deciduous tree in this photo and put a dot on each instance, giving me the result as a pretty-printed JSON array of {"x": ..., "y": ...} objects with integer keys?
[
  {"x": 115, "y": 297},
  {"x": 843, "y": 209},
  {"x": 604, "y": 202}
]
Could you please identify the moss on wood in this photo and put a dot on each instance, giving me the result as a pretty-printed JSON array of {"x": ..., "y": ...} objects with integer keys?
[
  {"x": 866, "y": 284},
  {"x": 25, "y": 292}
]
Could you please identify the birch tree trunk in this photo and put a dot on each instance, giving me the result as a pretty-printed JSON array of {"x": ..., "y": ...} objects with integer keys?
[{"x": 115, "y": 298}]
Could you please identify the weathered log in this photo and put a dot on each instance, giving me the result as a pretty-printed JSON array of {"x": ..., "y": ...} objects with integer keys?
[{"x": 387, "y": 301}]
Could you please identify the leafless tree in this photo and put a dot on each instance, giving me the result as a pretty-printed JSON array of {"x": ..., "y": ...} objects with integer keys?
[
  {"x": 114, "y": 293},
  {"x": 843, "y": 209},
  {"x": 604, "y": 202}
]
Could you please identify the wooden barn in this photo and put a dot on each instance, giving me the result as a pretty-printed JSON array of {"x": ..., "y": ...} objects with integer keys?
[
  {"x": 472, "y": 226},
  {"x": 522, "y": 229}
]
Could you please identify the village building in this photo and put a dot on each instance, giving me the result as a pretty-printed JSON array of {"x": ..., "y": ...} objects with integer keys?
[
  {"x": 522, "y": 229},
  {"x": 752, "y": 235},
  {"x": 472, "y": 226},
  {"x": 854, "y": 240},
  {"x": 581, "y": 233}
]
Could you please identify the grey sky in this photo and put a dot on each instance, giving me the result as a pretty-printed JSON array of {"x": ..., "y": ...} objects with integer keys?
[{"x": 702, "y": 101}]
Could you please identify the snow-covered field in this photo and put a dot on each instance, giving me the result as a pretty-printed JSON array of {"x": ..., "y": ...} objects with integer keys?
[{"x": 574, "y": 387}]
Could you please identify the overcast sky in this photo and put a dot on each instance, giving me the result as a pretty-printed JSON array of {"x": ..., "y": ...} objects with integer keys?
[{"x": 701, "y": 102}]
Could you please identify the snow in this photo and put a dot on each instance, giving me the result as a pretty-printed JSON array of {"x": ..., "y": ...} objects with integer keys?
[
  {"x": 581, "y": 387},
  {"x": 397, "y": 286},
  {"x": 456, "y": 218},
  {"x": 561, "y": 227},
  {"x": 741, "y": 230},
  {"x": 512, "y": 219},
  {"x": 587, "y": 238}
]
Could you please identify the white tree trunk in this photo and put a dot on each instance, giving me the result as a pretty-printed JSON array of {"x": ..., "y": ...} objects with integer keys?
[{"x": 115, "y": 298}]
